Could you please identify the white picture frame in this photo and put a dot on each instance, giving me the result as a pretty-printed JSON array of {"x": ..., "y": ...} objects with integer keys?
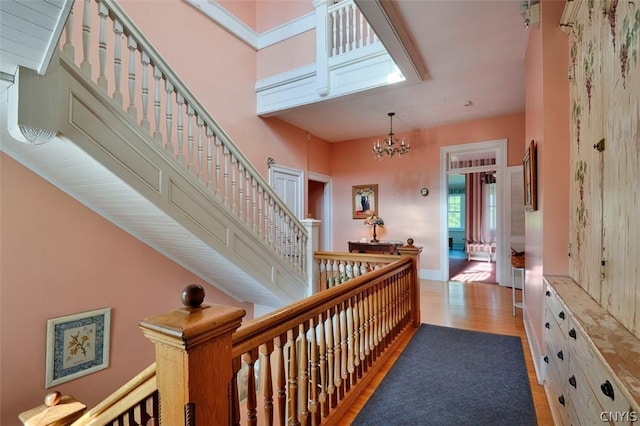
[{"x": 77, "y": 345}]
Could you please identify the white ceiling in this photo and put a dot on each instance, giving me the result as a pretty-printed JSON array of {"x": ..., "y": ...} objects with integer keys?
[{"x": 472, "y": 50}]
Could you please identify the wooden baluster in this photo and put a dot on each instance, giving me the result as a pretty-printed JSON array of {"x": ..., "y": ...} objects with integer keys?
[
  {"x": 266, "y": 381},
  {"x": 169, "y": 116},
  {"x": 250, "y": 359},
  {"x": 146, "y": 61},
  {"x": 200, "y": 174},
  {"x": 356, "y": 340},
  {"x": 314, "y": 407},
  {"x": 344, "y": 350},
  {"x": 117, "y": 61},
  {"x": 280, "y": 379},
  {"x": 180, "y": 127},
  {"x": 331, "y": 362},
  {"x": 364, "y": 334},
  {"x": 157, "y": 106},
  {"x": 68, "y": 48},
  {"x": 303, "y": 374},
  {"x": 236, "y": 417},
  {"x": 293, "y": 379},
  {"x": 102, "y": 45},
  {"x": 190, "y": 114},
  {"x": 322, "y": 367},
  {"x": 133, "y": 46},
  {"x": 85, "y": 66}
]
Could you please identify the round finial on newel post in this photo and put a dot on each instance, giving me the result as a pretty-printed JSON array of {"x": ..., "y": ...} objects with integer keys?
[
  {"x": 410, "y": 242},
  {"x": 193, "y": 295},
  {"x": 52, "y": 398}
]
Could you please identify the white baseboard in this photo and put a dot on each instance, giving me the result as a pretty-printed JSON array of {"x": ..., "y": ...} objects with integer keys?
[{"x": 538, "y": 357}]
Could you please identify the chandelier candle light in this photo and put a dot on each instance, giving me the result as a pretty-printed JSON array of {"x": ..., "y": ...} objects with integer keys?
[
  {"x": 390, "y": 145},
  {"x": 375, "y": 221}
]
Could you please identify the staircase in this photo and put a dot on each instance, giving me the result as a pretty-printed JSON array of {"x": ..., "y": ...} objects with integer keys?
[
  {"x": 112, "y": 125},
  {"x": 145, "y": 154}
]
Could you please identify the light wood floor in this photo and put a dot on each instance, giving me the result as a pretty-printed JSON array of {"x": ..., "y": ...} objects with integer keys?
[{"x": 470, "y": 306}]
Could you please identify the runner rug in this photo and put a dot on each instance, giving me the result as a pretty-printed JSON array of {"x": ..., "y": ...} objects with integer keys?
[{"x": 448, "y": 376}]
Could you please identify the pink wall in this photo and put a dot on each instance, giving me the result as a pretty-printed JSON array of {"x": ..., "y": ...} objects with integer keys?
[
  {"x": 60, "y": 258},
  {"x": 287, "y": 55},
  {"x": 405, "y": 212},
  {"x": 221, "y": 71},
  {"x": 547, "y": 122},
  {"x": 243, "y": 10},
  {"x": 274, "y": 13}
]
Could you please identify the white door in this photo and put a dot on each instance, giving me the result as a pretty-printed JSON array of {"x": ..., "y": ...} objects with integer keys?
[{"x": 288, "y": 184}]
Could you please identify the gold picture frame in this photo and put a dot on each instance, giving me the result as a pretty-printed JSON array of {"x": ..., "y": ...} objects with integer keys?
[
  {"x": 364, "y": 199},
  {"x": 529, "y": 169}
]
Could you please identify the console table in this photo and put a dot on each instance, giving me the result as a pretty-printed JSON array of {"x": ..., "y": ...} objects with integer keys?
[{"x": 380, "y": 247}]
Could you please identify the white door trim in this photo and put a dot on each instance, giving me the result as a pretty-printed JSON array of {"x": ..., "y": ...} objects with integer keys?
[
  {"x": 326, "y": 208},
  {"x": 503, "y": 199}
]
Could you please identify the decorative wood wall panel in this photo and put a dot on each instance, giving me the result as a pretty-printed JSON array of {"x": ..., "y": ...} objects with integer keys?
[{"x": 605, "y": 194}]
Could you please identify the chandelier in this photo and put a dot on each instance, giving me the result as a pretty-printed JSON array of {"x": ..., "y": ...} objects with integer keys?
[{"x": 391, "y": 145}]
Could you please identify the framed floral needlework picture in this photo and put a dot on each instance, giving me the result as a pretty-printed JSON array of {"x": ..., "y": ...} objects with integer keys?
[{"x": 77, "y": 345}]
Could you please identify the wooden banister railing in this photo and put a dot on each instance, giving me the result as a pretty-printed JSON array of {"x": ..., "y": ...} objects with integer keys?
[
  {"x": 337, "y": 268},
  {"x": 135, "y": 403},
  {"x": 302, "y": 364}
]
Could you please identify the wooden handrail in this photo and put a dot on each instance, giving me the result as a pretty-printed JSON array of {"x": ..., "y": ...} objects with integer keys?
[{"x": 123, "y": 402}]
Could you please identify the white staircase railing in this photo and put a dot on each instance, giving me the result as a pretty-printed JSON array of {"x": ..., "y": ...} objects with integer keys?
[
  {"x": 155, "y": 99},
  {"x": 349, "y": 28}
]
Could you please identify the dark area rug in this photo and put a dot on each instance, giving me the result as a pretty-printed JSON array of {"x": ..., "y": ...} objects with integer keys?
[{"x": 447, "y": 376}]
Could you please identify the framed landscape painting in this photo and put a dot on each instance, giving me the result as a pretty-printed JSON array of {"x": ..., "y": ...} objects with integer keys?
[
  {"x": 77, "y": 345},
  {"x": 364, "y": 200},
  {"x": 529, "y": 168}
]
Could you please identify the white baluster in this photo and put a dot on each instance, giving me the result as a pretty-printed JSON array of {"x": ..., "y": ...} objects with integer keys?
[
  {"x": 225, "y": 172},
  {"x": 352, "y": 10},
  {"x": 218, "y": 171},
  {"x": 256, "y": 200},
  {"x": 241, "y": 212},
  {"x": 361, "y": 38},
  {"x": 190, "y": 138},
  {"x": 180, "y": 127},
  {"x": 169, "y": 116},
  {"x": 248, "y": 196},
  {"x": 334, "y": 32},
  {"x": 145, "y": 91},
  {"x": 200, "y": 174},
  {"x": 102, "y": 45},
  {"x": 117, "y": 61},
  {"x": 85, "y": 66},
  {"x": 341, "y": 30},
  {"x": 157, "y": 106},
  {"x": 234, "y": 206},
  {"x": 210, "y": 160},
  {"x": 133, "y": 46},
  {"x": 68, "y": 48}
]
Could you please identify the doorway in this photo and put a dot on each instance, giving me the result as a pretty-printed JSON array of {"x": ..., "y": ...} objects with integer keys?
[
  {"x": 489, "y": 156},
  {"x": 319, "y": 206}
]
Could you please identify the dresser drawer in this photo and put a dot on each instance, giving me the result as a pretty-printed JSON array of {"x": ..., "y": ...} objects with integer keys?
[
  {"x": 604, "y": 387},
  {"x": 556, "y": 391},
  {"x": 586, "y": 406},
  {"x": 556, "y": 310}
]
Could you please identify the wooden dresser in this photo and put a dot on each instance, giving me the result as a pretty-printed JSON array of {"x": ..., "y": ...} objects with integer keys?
[
  {"x": 593, "y": 362},
  {"x": 379, "y": 247}
]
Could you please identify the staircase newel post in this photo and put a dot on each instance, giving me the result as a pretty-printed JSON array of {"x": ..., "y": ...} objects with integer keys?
[
  {"x": 414, "y": 252},
  {"x": 193, "y": 358},
  {"x": 313, "y": 243}
]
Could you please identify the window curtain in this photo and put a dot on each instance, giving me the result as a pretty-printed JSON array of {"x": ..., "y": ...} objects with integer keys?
[{"x": 480, "y": 208}]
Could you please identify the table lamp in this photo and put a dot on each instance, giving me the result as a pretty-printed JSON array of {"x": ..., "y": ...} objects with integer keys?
[{"x": 375, "y": 221}]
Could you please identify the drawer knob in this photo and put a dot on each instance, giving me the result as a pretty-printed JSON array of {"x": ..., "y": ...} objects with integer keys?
[
  {"x": 607, "y": 389},
  {"x": 572, "y": 381},
  {"x": 572, "y": 333},
  {"x": 548, "y": 293},
  {"x": 546, "y": 359},
  {"x": 546, "y": 325},
  {"x": 561, "y": 356},
  {"x": 561, "y": 314},
  {"x": 561, "y": 399}
]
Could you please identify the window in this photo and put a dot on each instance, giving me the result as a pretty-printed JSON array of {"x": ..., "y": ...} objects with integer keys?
[
  {"x": 455, "y": 211},
  {"x": 491, "y": 201}
]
